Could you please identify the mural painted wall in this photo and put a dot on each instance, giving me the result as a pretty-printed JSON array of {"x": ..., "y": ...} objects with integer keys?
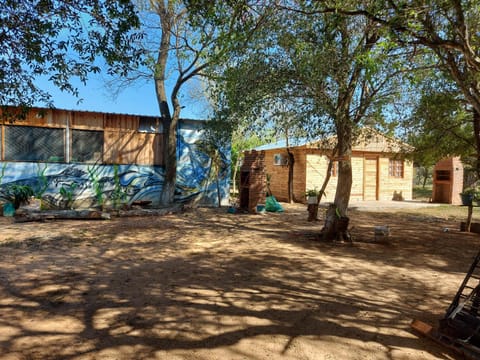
[{"x": 91, "y": 184}]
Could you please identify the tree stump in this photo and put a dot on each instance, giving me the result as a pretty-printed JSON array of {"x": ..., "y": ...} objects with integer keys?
[{"x": 335, "y": 228}]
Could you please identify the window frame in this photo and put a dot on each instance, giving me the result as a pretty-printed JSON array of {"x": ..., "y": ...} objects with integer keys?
[
  {"x": 31, "y": 145},
  {"x": 72, "y": 153},
  {"x": 396, "y": 168}
]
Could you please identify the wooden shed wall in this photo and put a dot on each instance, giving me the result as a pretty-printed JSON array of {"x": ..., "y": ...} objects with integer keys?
[
  {"x": 123, "y": 143},
  {"x": 391, "y": 185},
  {"x": 317, "y": 165}
]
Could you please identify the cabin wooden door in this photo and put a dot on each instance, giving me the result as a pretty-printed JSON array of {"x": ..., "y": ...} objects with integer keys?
[{"x": 370, "y": 179}]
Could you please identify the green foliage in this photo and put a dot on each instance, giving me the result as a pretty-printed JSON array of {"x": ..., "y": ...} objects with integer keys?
[
  {"x": 118, "y": 194},
  {"x": 43, "y": 182},
  {"x": 312, "y": 192},
  {"x": 2, "y": 172},
  {"x": 441, "y": 125},
  {"x": 97, "y": 185},
  {"x": 17, "y": 194},
  {"x": 62, "y": 40},
  {"x": 67, "y": 193}
]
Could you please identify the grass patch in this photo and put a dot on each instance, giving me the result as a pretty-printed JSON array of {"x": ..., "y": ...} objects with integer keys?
[
  {"x": 447, "y": 212},
  {"x": 422, "y": 193}
]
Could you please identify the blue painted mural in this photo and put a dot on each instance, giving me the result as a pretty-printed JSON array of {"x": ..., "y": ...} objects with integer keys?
[{"x": 89, "y": 185}]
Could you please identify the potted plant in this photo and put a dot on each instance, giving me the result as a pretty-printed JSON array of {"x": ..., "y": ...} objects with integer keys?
[
  {"x": 312, "y": 196},
  {"x": 467, "y": 196},
  {"x": 476, "y": 198}
]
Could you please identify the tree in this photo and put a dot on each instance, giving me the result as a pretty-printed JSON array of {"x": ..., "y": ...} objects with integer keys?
[
  {"x": 449, "y": 28},
  {"x": 188, "y": 45},
  {"x": 440, "y": 114},
  {"x": 63, "y": 39},
  {"x": 336, "y": 73}
]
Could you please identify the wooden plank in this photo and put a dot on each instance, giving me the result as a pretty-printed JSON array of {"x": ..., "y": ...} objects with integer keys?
[
  {"x": 30, "y": 216},
  {"x": 115, "y": 122},
  {"x": 86, "y": 120},
  {"x": 133, "y": 148},
  {"x": 370, "y": 186}
]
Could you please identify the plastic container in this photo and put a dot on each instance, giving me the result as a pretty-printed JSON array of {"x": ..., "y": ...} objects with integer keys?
[{"x": 8, "y": 209}]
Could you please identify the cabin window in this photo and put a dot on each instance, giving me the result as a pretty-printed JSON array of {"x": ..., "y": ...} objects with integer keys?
[
  {"x": 395, "y": 168},
  {"x": 87, "y": 146},
  {"x": 26, "y": 143}
]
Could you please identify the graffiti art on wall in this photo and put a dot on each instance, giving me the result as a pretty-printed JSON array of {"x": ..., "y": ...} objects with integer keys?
[{"x": 91, "y": 184}]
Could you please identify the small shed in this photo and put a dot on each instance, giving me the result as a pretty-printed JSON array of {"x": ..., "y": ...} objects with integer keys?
[{"x": 448, "y": 181}]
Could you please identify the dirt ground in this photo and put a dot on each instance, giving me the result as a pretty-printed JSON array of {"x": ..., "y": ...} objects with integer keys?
[{"x": 206, "y": 284}]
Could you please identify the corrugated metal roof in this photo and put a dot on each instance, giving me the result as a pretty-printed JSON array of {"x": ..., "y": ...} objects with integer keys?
[
  {"x": 101, "y": 112},
  {"x": 369, "y": 139},
  {"x": 281, "y": 144}
]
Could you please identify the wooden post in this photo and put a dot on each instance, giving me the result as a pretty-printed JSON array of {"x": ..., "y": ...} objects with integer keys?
[
  {"x": 469, "y": 218},
  {"x": 312, "y": 212}
]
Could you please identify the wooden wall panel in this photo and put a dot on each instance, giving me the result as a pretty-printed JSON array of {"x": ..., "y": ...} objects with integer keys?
[
  {"x": 44, "y": 118},
  {"x": 121, "y": 122},
  {"x": 371, "y": 178},
  {"x": 133, "y": 148},
  {"x": 388, "y": 185},
  {"x": 86, "y": 120}
]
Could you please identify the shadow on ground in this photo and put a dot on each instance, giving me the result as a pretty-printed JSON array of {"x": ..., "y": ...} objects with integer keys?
[{"x": 207, "y": 285}]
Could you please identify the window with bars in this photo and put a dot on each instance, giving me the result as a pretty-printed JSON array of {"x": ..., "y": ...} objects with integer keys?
[
  {"x": 395, "y": 168},
  {"x": 87, "y": 146},
  {"x": 27, "y": 143}
]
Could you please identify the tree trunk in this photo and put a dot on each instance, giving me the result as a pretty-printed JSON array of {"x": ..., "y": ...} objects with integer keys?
[
  {"x": 338, "y": 210},
  {"x": 235, "y": 172},
  {"x": 291, "y": 163},
  {"x": 170, "y": 161},
  {"x": 169, "y": 122},
  {"x": 425, "y": 178},
  {"x": 219, "y": 194},
  {"x": 328, "y": 175},
  {"x": 476, "y": 131}
]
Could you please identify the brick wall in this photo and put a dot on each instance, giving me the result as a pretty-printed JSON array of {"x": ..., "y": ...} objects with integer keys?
[
  {"x": 279, "y": 174},
  {"x": 447, "y": 188},
  {"x": 252, "y": 180}
]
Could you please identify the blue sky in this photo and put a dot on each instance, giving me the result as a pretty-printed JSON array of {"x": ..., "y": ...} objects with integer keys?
[{"x": 139, "y": 99}]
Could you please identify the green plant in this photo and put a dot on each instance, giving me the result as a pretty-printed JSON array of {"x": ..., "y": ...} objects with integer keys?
[
  {"x": 17, "y": 194},
  {"x": 469, "y": 191},
  {"x": 118, "y": 195},
  {"x": 2, "y": 172},
  {"x": 96, "y": 184},
  {"x": 312, "y": 192},
  {"x": 43, "y": 183},
  {"x": 67, "y": 194}
]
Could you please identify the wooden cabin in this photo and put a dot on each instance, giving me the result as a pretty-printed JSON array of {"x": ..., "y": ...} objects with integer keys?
[
  {"x": 102, "y": 153},
  {"x": 380, "y": 170}
]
